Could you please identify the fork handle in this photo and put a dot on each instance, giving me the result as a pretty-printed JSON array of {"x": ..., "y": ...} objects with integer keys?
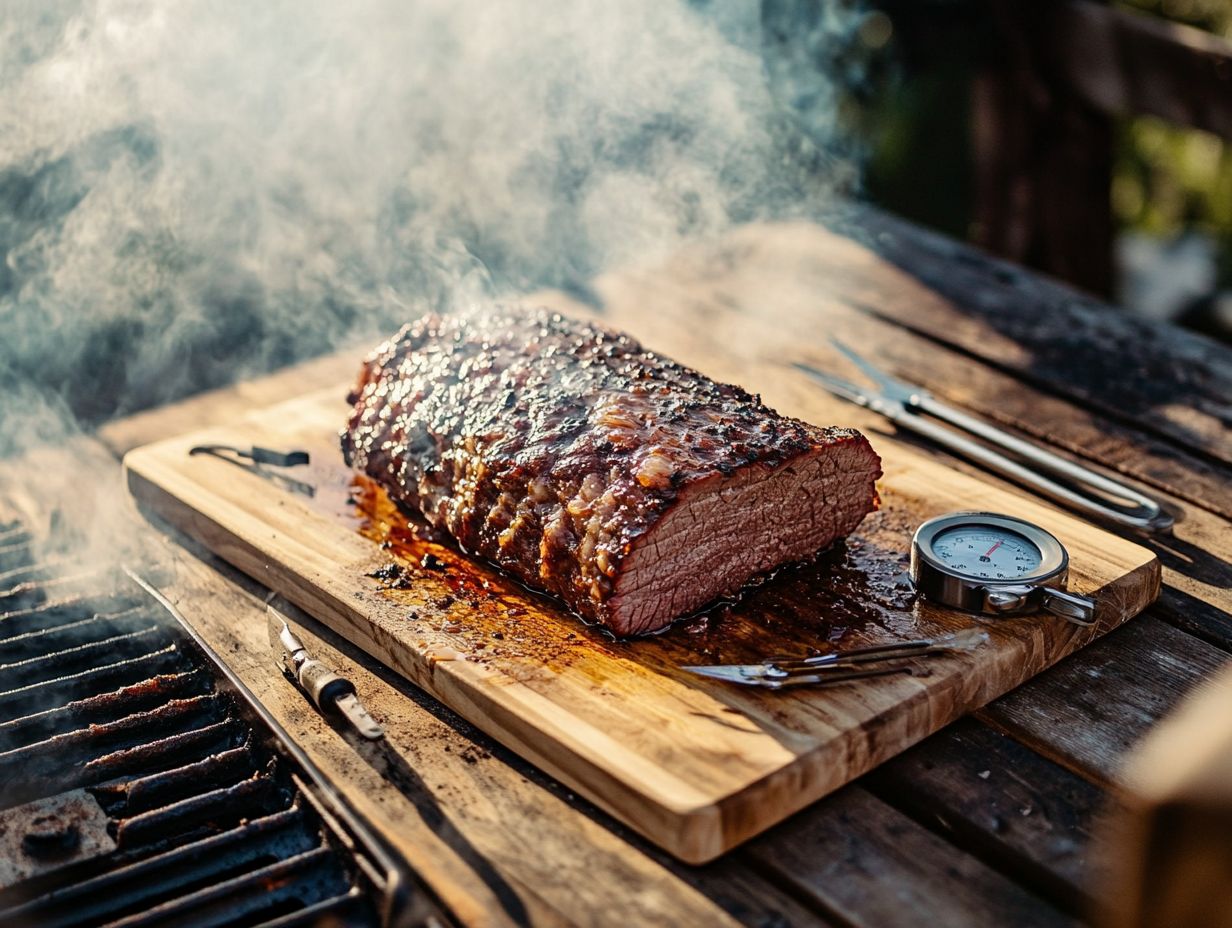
[
  {"x": 869, "y": 655},
  {"x": 1145, "y": 515},
  {"x": 827, "y": 679}
]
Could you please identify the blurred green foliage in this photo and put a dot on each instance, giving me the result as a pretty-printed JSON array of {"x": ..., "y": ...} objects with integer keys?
[
  {"x": 913, "y": 111},
  {"x": 1212, "y": 15}
]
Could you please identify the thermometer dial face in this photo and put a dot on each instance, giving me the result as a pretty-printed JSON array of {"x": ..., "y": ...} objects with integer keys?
[
  {"x": 994, "y": 564},
  {"x": 987, "y": 553}
]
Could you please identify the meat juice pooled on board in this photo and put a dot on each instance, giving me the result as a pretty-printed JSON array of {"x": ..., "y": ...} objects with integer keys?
[{"x": 631, "y": 487}]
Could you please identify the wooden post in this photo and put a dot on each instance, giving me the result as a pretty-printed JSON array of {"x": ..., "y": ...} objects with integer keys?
[
  {"x": 1042, "y": 154},
  {"x": 1173, "y": 851}
]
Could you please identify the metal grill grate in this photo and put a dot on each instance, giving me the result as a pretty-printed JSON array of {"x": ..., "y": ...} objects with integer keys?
[{"x": 138, "y": 786}]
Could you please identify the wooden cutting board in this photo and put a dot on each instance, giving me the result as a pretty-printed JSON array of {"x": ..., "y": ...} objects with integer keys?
[{"x": 694, "y": 764}]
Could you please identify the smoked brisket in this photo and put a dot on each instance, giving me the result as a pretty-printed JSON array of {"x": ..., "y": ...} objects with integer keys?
[{"x": 631, "y": 487}]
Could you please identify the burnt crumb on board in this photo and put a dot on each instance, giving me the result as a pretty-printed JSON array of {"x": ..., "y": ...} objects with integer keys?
[
  {"x": 473, "y": 755},
  {"x": 393, "y": 576},
  {"x": 431, "y": 562},
  {"x": 390, "y": 571}
]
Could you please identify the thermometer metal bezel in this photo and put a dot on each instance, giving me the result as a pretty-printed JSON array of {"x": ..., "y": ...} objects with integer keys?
[{"x": 936, "y": 580}]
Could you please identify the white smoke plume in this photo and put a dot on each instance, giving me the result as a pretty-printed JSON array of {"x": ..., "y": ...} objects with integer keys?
[{"x": 200, "y": 190}]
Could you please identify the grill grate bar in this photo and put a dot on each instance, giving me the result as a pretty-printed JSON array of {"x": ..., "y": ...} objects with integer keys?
[
  {"x": 83, "y": 684},
  {"x": 27, "y": 586},
  {"x": 251, "y": 798},
  {"x": 338, "y": 910},
  {"x": 28, "y": 573},
  {"x": 43, "y": 642},
  {"x": 161, "y": 789},
  {"x": 15, "y": 550},
  {"x": 129, "y": 731},
  {"x": 49, "y": 666},
  {"x": 149, "y": 692},
  {"x": 141, "y": 885},
  {"x": 13, "y": 531},
  {"x": 284, "y": 886},
  {"x": 82, "y": 603},
  {"x": 171, "y": 751},
  {"x": 40, "y": 774}
]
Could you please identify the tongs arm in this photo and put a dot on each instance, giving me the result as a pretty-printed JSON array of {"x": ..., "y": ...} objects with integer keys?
[
  {"x": 1140, "y": 512},
  {"x": 908, "y": 405}
]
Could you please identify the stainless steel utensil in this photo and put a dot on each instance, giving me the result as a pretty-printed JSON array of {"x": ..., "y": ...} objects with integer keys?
[
  {"x": 908, "y": 406},
  {"x": 329, "y": 692},
  {"x": 776, "y": 673}
]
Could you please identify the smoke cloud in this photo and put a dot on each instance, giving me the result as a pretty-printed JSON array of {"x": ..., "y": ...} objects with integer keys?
[{"x": 197, "y": 191}]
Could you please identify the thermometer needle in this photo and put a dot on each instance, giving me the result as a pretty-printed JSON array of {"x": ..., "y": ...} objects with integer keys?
[{"x": 989, "y": 552}]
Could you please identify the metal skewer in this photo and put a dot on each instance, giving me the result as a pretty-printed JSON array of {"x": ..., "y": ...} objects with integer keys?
[
  {"x": 256, "y": 454},
  {"x": 256, "y": 459},
  {"x": 328, "y": 691}
]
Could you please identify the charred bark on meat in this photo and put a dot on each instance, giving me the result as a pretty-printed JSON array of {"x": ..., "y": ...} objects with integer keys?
[{"x": 633, "y": 488}]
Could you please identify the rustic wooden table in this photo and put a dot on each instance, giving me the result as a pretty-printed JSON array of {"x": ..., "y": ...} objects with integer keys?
[{"x": 989, "y": 822}]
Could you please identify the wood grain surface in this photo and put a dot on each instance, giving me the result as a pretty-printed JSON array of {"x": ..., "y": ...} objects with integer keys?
[{"x": 695, "y": 765}]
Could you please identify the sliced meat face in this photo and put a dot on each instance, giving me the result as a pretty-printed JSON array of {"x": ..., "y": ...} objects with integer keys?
[{"x": 727, "y": 530}]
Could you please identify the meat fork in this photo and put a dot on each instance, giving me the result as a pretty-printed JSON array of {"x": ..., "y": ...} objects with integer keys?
[
  {"x": 908, "y": 407},
  {"x": 776, "y": 673}
]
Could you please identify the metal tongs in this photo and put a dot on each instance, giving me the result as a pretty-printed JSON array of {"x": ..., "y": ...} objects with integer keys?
[
  {"x": 776, "y": 673},
  {"x": 907, "y": 406}
]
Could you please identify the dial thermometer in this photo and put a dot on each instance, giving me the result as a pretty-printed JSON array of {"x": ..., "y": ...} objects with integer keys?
[{"x": 996, "y": 565}]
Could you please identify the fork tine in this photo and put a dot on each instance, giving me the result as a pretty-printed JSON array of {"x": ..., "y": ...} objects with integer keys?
[
  {"x": 870, "y": 370},
  {"x": 948, "y": 643},
  {"x": 889, "y": 387},
  {"x": 847, "y": 654},
  {"x": 844, "y": 389},
  {"x": 802, "y": 665}
]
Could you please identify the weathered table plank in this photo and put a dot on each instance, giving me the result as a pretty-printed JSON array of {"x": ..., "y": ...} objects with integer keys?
[
  {"x": 1086, "y": 712},
  {"x": 874, "y": 866},
  {"x": 998, "y": 396},
  {"x": 1148, "y": 373},
  {"x": 1005, "y": 804},
  {"x": 817, "y": 284}
]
